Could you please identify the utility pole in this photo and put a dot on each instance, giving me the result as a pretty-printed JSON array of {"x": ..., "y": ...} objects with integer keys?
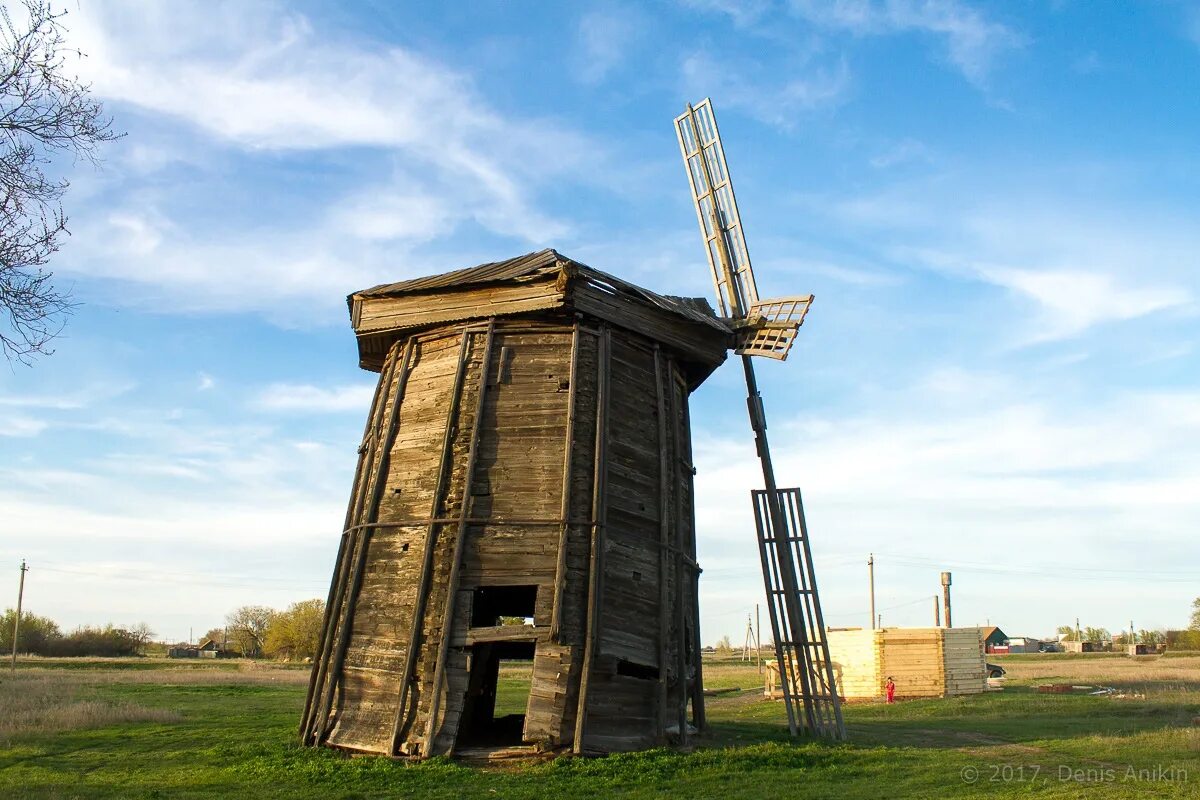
[
  {"x": 17, "y": 621},
  {"x": 871, "y": 573},
  {"x": 946, "y": 597},
  {"x": 758, "y": 637},
  {"x": 879, "y": 621},
  {"x": 1078, "y": 632},
  {"x": 937, "y": 612}
]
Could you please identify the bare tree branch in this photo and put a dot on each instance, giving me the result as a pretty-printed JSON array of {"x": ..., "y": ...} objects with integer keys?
[{"x": 43, "y": 111}]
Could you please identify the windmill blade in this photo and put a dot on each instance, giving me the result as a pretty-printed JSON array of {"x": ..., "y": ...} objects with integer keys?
[
  {"x": 771, "y": 326},
  {"x": 716, "y": 209}
]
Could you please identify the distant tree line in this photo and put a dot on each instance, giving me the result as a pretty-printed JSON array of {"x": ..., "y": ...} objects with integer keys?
[
  {"x": 1188, "y": 639},
  {"x": 250, "y": 631},
  {"x": 41, "y": 636},
  {"x": 291, "y": 635}
]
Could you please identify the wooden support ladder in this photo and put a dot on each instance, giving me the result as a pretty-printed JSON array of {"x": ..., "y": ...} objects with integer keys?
[{"x": 797, "y": 625}]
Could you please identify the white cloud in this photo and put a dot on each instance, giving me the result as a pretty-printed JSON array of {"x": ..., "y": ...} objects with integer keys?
[
  {"x": 1075, "y": 259},
  {"x": 261, "y": 81},
  {"x": 764, "y": 97},
  {"x": 973, "y": 43},
  {"x": 971, "y": 467},
  {"x": 904, "y": 151},
  {"x": 1074, "y": 300},
  {"x": 1191, "y": 24},
  {"x": 605, "y": 38},
  {"x": 204, "y": 382},
  {"x": 742, "y": 12},
  {"x": 304, "y": 398},
  {"x": 389, "y": 215},
  {"x": 17, "y": 425},
  {"x": 70, "y": 399}
]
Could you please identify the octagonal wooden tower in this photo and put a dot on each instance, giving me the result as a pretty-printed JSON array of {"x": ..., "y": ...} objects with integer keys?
[{"x": 524, "y": 492}]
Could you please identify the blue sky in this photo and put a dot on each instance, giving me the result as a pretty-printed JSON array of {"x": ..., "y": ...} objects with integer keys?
[{"x": 996, "y": 206}]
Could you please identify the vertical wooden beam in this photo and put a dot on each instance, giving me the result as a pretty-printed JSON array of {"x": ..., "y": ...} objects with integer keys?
[
  {"x": 439, "y": 673},
  {"x": 599, "y": 517},
  {"x": 560, "y": 572},
  {"x": 681, "y": 594},
  {"x": 364, "y": 542},
  {"x": 365, "y": 454},
  {"x": 664, "y": 532},
  {"x": 418, "y": 621},
  {"x": 683, "y": 414}
]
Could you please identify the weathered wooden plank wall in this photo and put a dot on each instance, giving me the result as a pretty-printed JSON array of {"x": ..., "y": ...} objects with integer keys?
[{"x": 552, "y": 454}]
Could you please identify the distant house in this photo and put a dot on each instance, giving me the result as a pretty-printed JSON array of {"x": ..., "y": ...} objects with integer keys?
[
  {"x": 1023, "y": 644},
  {"x": 994, "y": 640},
  {"x": 183, "y": 650},
  {"x": 211, "y": 648},
  {"x": 1070, "y": 646}
]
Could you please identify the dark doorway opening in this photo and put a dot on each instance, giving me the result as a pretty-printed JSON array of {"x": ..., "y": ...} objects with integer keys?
[
  {"x": 503, "y": 605},
  {"x": 497, "y": 695}
]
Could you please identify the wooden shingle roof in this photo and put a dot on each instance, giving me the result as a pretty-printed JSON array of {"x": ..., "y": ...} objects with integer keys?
[{"x": 534, "y": 282}]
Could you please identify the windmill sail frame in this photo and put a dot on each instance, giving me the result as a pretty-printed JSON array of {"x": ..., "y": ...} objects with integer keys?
[
  {"x": 764, "y": 328},
  {"x": 716, "y": 209}
]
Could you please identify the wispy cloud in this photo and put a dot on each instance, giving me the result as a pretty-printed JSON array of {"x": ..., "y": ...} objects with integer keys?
[
  {"x": 905, "y": 151},
  {"x": 959, "y": 461},
  {"x": 605, "y": 38},
  {"x": 261, "y": 82},
  {"x": 971, "y": 41},
  {"x": 1073, "y": 262},
  {"x": 67, "y": 400},
  {"x": 1071, "y": 301},
  {"x": 765, "y": 96},
  {"x": 742, "y": 12},
  {"x": 304, "y": 398},
  {"x": 19, "y": 425}
]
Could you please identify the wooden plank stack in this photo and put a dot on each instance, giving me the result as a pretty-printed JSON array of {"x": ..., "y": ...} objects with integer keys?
[{"x": 923, "y": 662}]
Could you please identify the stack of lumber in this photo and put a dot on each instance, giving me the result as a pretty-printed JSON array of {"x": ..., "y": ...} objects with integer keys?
[
  {"x": 923, "y": 662},
  {"x": 965, "y": 669}
]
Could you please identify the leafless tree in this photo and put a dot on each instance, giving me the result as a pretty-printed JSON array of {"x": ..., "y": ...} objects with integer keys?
[
  {"x": 247, "y": 628},
  {"x": 143, "y": 634},
  {"x": 45, "y": 113}
]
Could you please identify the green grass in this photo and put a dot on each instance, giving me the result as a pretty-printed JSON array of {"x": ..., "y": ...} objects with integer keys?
[{"x": 235, "y": 737}]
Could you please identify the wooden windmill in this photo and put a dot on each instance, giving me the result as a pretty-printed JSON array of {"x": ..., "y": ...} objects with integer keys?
[
  {"x": 764, "y": 328},
  {"x": 523, "y": 506}
]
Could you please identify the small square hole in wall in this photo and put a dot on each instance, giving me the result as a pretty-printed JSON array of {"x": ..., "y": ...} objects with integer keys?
[{"x": 503, "y": 605}]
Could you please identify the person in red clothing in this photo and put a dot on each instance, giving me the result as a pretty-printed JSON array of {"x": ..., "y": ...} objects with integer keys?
[{"x": 890, "y": 686}]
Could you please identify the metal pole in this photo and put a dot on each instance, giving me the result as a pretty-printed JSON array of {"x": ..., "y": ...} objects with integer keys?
[
  {"x": 871, "y": 574},
  {"x": 783, "y": 550},
  {"x": 937, "y": 612},
  {"x": 17, "y": 621},
  {"x": 946, "y": 597},
  {"x": 758, "y": 638}
]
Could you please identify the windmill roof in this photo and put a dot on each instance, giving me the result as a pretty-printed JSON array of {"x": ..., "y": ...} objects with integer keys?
[
  {"x": 543, "y": 263},
  {"x": 545, "y": 283}
]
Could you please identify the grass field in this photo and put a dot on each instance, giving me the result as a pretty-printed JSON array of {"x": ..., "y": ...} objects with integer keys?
[{"x": 150, "y": 729}]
